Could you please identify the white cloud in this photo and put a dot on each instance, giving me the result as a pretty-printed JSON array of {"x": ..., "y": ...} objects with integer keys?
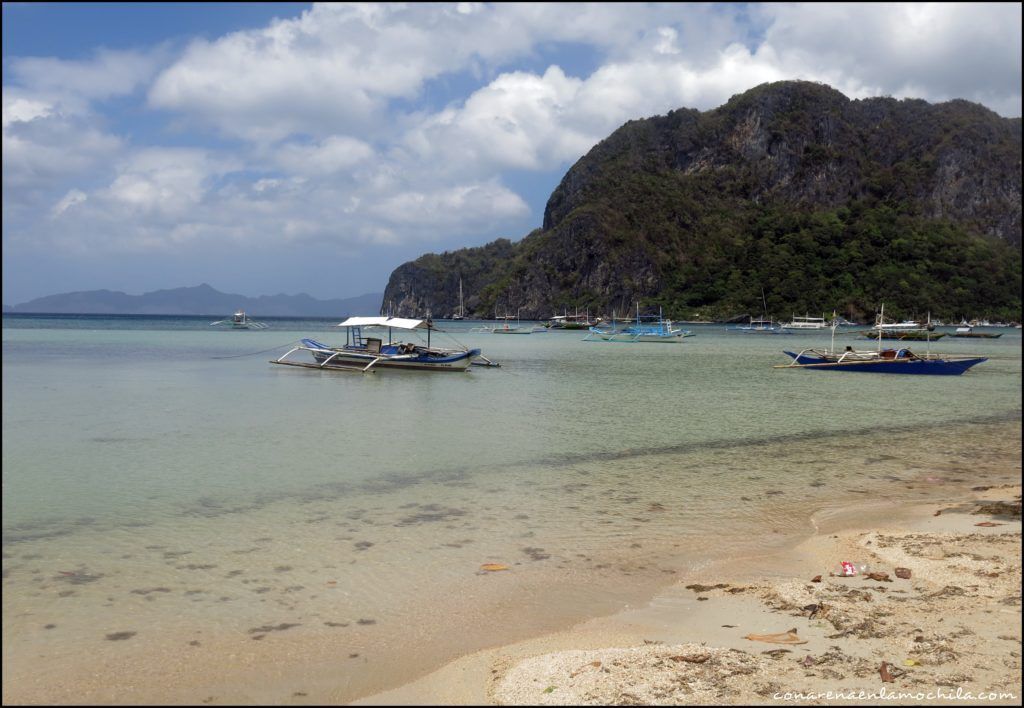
[
  {"x": 166, "y": 181},
  {"x": 935, "y": 51},
  {"x": 42, "y": 146},
  {"x": 108, "y": 73},
  {"x": 337, "y": 67},
  {"x": 516, "y": 121},
  {"x": 328, "y": 156},
  {"x": 667, "y": 43},
  {"x": 450, "y": 206},
  {"x": 69, "y": 200},
  {"x": 18, "y": 109}
]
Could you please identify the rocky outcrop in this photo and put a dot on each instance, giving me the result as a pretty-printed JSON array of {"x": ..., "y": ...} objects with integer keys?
[{"x": 685, "y": 210}]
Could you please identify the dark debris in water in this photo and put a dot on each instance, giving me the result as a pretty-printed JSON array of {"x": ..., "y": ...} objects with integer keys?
[
  {"x": 431, "y": 513},
  {"x": 120, "y": 636},
  {"x": 77, "y": 577},
  {"x": 273, "y": 628}
]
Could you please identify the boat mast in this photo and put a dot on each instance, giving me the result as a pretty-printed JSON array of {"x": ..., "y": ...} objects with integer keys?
[
  {"x": 881, "y": 324},
  {"x": 928, "y": 336},
  {"x": 833, "y": 345}
]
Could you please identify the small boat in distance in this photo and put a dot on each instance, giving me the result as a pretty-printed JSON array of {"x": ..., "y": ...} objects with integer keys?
[
  {"x": 760, "y": 326},
  {"x": 908, "y": 330},
  {"x": 968, "y": 331},
  {"x": 764, "y": 325},
  {"x": 649, "y": 328},
  {"x": 506, "y": 328},
  {"x": 806, "y": 323},
  {"x": 577, "y": 321},
  {"x": 361, "y": 353},
  {"x": 240, "y": 321}
]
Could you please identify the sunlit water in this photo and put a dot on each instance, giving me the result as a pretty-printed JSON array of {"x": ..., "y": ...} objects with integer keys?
[{"x": 168, "y": 492}]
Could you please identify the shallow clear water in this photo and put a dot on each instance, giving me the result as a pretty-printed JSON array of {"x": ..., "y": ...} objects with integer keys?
[{"x": 161, "y": 477}]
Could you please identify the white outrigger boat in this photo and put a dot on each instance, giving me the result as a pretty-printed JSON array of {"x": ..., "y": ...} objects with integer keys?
[
  {"x": 240, "y": 320},
  {"x": 805, "y": 323},
  {"x": 362, "y": 353}
]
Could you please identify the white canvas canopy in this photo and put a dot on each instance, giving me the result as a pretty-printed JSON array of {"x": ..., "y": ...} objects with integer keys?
[{"x": 396, "y": 322}]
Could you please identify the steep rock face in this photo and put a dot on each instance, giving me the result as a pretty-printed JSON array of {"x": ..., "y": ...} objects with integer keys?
[
  {"x": 791, "y": 185},
  {"x": 429, "y": 285}
]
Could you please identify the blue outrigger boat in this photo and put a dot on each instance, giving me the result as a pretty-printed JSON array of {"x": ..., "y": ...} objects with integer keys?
[
  {"x": 880, "y": 361},
  {"x": 886, "y": 361},
  {"x": 364, "y": 353},
  {"x": 655, "y": 329}
]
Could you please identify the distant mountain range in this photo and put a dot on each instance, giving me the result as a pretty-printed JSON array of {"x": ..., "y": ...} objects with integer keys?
[{"x": 198, "y": 300}]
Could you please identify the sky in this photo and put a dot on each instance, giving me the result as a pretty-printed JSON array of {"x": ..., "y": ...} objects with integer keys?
[{"x": 268, "y": 148}]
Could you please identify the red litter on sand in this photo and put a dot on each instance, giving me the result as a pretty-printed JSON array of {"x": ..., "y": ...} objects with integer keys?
[{"x": 848, "y": 568}]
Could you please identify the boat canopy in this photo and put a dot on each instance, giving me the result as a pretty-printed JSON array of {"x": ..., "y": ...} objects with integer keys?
[{"x": 397, "y": 322}]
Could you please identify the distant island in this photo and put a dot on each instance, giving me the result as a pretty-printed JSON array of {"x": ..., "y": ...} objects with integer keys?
[{"x": 199, "y": 300}]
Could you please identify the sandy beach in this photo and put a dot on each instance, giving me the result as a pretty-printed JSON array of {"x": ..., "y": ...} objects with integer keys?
[{"x": 933, "y": 618}]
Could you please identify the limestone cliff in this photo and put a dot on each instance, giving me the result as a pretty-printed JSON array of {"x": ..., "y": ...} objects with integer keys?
[{"x": 822, "y": 201}]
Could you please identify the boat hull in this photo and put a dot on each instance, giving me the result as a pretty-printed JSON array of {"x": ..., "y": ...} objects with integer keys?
[
  {"x": 904, "y": 336},
  {"x": 758, "y": 330},
  {"x": 651, "y": 338},
  {"x": 927, "y": 367},
  {"x": 392, "y": 358}
]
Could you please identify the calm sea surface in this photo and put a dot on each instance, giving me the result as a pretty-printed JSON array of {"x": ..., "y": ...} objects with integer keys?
[{"x": 170, "y": 498}]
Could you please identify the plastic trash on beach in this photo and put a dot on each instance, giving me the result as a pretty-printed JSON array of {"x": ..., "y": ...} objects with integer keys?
[
  {"x": 789, "y": 637},
  {"x": 848, "y": 569}
]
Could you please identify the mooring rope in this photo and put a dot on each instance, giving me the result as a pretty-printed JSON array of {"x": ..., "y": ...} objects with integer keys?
[{"x": 280, "y": 346}]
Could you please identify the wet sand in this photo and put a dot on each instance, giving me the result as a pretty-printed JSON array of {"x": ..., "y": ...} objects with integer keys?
[{"x": 952, "y": 628}]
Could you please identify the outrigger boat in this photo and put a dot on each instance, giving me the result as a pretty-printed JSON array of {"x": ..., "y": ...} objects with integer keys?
[
  {"x": 882, "y": 361},
  {"x": 968, "y": 332},
  {"x": 567, "y": 321},
  {"x": 908, "y": 330},
  {"x": 240, "y": 321},
  {"x": 805, "y": 323},
  {"x": 361, "y": 353},
  {"x": 655, "y": 329},
  {"x": 762, "y": 325}
]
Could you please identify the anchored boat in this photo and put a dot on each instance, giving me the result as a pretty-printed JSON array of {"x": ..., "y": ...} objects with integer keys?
[
  {"x": 968, "y": 332},
  {"x": 366, "y": 353},
  {"x": 880, "y": 361},
  {"x": 240, "y": 321},
  {"x": 650, "y": 328}
]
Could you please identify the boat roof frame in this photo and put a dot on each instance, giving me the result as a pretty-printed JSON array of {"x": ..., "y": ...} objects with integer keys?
[{"x": 396, "y": 322}]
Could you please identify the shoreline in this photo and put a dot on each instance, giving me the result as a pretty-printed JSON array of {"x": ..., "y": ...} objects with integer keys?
[{"x": 688, "y": 645}]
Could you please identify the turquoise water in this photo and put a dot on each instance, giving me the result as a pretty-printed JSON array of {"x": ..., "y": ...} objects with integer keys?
[{"x": 153, "y": 467}]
